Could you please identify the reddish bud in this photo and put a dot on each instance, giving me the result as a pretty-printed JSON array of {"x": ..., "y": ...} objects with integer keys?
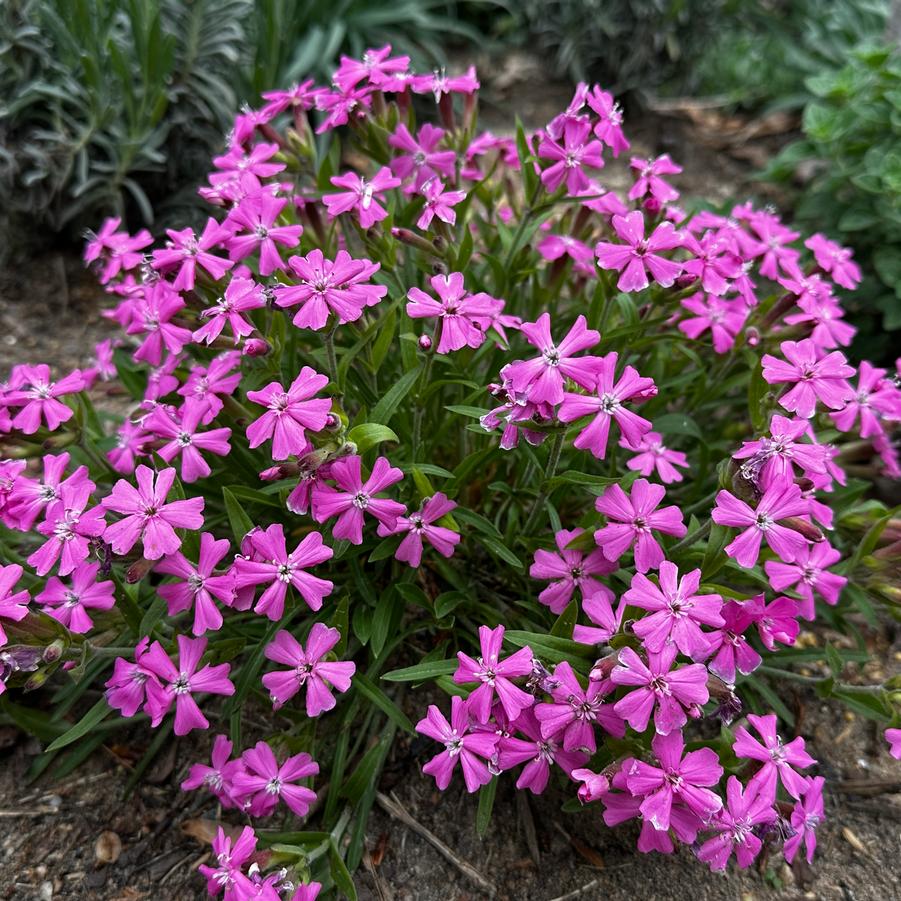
[
  {"x": 255, "y": 347},
  {"x": 425, "y": 342}
]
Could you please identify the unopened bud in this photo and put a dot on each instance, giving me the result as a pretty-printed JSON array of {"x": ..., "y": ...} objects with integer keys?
[
  {"x": 348, "y": 449},
  {"x": 53, "y": 651},
  {"x": 602, "y": 668},
  {"x": 653, "y": 205},
  {"x": 138, "y": 570},
  {"x": 425, "y": 342},
  {"x": 752, "y": 336},
  {"x": 807, "y": 529},
  {"x": 255, "y": 347},
  {"x": 332, "y": 422},
  {"x": 685, "y": 280}
]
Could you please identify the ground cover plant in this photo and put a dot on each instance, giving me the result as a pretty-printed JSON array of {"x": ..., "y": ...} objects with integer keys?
[{"x": 424, "y": 413}]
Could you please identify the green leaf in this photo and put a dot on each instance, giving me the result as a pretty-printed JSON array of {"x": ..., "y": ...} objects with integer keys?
[
  {"x": 340, "y": 874},
  {"x": 714, "y": 555},
  {"x": 501, "y": 550},
  {"x": 422, "y": 672},
  {"x": 238, "y": 519},
  {"x": 373, "y": 693},
  {"x": 96, "y": 715},
  {"x": 758, "y": 388},
  {"x": 551, "y": 647},
  {"x": 486, "y": 806},
  {"x": 387, "y": 406},
  {"x": 369, "y": 434},
  {"x": 563, "y": 627},
  {"x": 678, "y": 424}
]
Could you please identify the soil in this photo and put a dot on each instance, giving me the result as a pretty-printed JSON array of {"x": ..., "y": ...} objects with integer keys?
[{"x": 57, "y": 831}]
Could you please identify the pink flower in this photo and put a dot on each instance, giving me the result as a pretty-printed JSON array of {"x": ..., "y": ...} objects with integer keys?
[
  {"x": 117, "y": 251},
  {"x": 230, "y": 858},
  {"x": 328, "y": 287},
  {"x": 300, "y": 96},
  {"x": 605, "y": 404},
  {"x": 569, "y": 156},
  {"x": 639, "y": 255},
  {"x": 439, "y": 85},
  {"x": 570, "y": 569},
  {"x": 632, "y": 518},
  {"x": 353, "y": 497},
  {"x": 187, "y": 251},
  {"x": 609, "y": 127},
  {"x": 470, "y": 748},
  {"x": 772, "y": 246},
  {"x": 834, "y": 259},
  {"x": 542, "y": 378},
  {"x": 599, "y": 609},
  {"x": 198, "y": 586},
  {"x": 340, "y": 105},
  {"x": 814, "y": 378},
  {"x": 826, "y": 316},
  {"x": 309, "y": 670},
  {"x": 273, "y": 566},
  {"x": 148, "y": 516},
  {"x": 806, "y": 816},
  {"x": 289, "y": 413},
  {"x": 724, "y": 318},
  {"x": 654, "y": 454},
  {"x": 648, "y": 178},
  {"x": 438, "y": 202},
  {"x": 31, "y": 497},
  {"x": 780, "y": 501},
  {"x": 241, "y": 295},
  {"x": 69, "y": 529},
  {"x": 239, "y": 161},
  {"x": 256, "y": 215},
  {"x": 216, "y": 778},
  {"x": 262, "y": 781},
  {"x": 734, "y": 826},
  {"x": 877, "y": 398},
  {"x": 776, "y": 621},
  {"x": 130, "y": 444},
  {"x": 536, "y": 752},
  {"x": 70, "y": 605},
  {"x": 152, "y": 317},
  {"x": 770, "y": 460},
  {"x": 421, "y": 526},
  {"x": 677, "y": 611},
  {"x": 177, "y": 684},
  {"x": 712, "y": 262},
  {"x": 13, "y": 604},
  {"x": 552, "y": 247},
  {"x": 574, "y": 711},
  {"x": 670, "y": 694},
  {"x": 374, "y": 65},
  {"x": 678, "y": 779},
  {"x": 126, "y": 688},
  {"x": 207, "y": 383},
  {"x": 421, "y": 158},
  {"x": 494, "y": 675},
  {"x": 807, "y": 574},
  {"x": 730, "y": 647},
  {"x": 464, "y": 318},
  {"x": 361, "y": 195},
  {"x": 893, "y": 737},
  {"x": 37, "y": 394},
  {"x": 186, "y": 440},
  {"x": 778, "y": 760}
]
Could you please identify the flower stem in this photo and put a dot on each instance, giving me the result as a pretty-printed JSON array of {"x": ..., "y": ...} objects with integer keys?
[
  {"x": 549, "y": 473},
  {"x": 329, "y": 338},
  {"x": 420, "y": 409},
  {"x": 689, "y": 540}
]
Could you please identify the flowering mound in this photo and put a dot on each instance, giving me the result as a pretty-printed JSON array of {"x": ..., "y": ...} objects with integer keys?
[{"x": 418, "y": 405}]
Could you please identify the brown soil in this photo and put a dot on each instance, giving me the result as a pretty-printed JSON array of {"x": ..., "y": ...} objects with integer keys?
[{"x": 49, "y": 312}]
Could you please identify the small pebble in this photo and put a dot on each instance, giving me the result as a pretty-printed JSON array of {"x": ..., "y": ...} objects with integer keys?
[{"x": 107, "y": 848}]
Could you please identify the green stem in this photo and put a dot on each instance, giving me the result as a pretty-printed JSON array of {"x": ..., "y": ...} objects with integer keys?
[
  {"x": 419, "y": 412},
  {"x": 549, "y": 473},
  {"x": 816, "y": 681},
  {"x": 689, "y": 540},
  {"x": 329, "y": 338}
]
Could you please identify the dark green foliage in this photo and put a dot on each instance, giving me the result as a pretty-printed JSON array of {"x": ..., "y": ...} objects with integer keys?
[
  {"x": 851, "y": 152},
  {"x": 115, "y": 106}
]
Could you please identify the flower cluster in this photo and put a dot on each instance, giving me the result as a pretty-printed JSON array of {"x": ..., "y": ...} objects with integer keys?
[{"x": 305, "y": 495}]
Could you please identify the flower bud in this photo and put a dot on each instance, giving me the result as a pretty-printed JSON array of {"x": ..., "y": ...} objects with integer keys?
[
  {"x": 752, "y": 336},
  {"x": 332, "y": 422},
  {"x": 255, "y": 347},
  {"x": 54, "y": 651},
  {"x": 653, "y": 206},
  {"x": 425, "y": 342},
  {"x": 138, "y": 570}
]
